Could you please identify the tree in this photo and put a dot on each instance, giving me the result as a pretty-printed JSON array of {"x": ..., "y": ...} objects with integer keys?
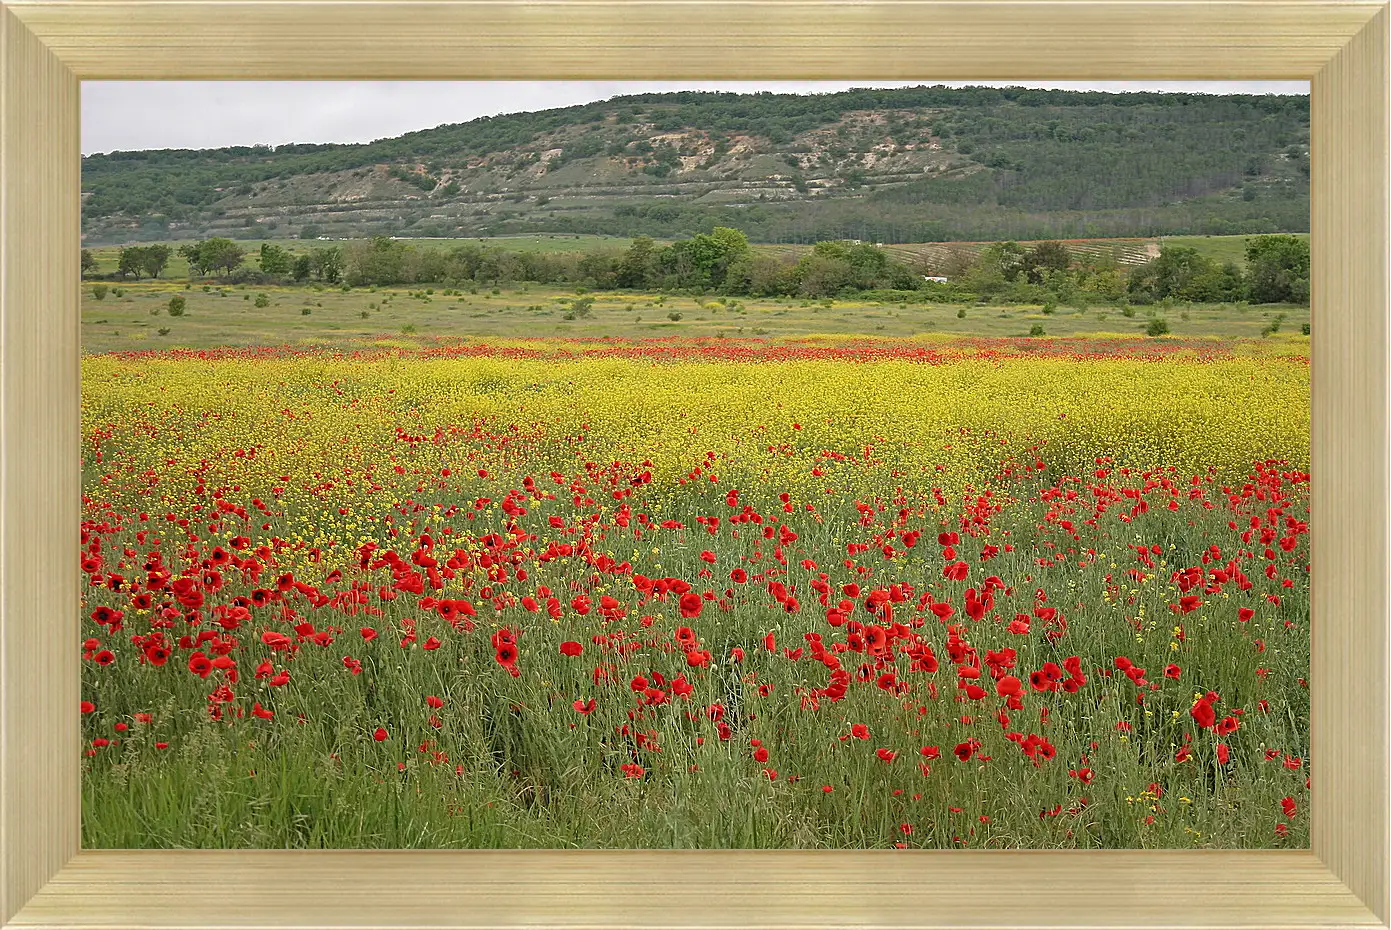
[
  {"x": 154, "y": 259},
  {"x": 131, "y": 261},
  {"x": 311, "y": 231},
  {"x": 193, "y": 254},
  {"x": 1044, "y": 258},
  {"x": 220, "y": 253},
  {"x": 327, "y": 264},
  {"x": 274, "y": 259},
  {"x": 1172, "y": 274},
  {"x": 636, "y": 267},
  {"x": 1278, "y": 269},
  {"x": 1007, "y": 257},
  {"x": 89, "y": 263},
  {"x": 302, "y": 268}
]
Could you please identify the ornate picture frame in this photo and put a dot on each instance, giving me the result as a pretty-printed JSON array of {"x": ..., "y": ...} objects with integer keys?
[{"x": 47, "y": 47}]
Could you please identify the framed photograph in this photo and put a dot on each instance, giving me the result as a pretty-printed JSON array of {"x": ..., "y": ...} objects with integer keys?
[{"x": 603, "y": 674}]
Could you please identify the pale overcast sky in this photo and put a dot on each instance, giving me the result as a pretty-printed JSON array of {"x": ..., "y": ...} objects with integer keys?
[{"x": 128, "y": 115}]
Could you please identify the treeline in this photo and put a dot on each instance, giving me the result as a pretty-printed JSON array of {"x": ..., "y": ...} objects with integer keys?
[{"x": 1276, "y": 270}]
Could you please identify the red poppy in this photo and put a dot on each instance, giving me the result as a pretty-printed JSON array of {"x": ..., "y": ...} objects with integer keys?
[
  {"x": 379, "y": 734},
  {"x": 571, "y": 648},
  {"x": 885, "y": 755},
  {"x": 434, "y": 702},
  {"x": 691, "y": 604},
  {"x": 1203, "y": 714},
  {"x": 1172, "y": 671}
]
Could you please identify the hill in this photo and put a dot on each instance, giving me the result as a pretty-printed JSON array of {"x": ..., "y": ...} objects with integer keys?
[{"x": 918, "y": 164}]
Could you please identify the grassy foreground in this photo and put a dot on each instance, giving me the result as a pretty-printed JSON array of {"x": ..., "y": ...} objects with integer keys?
[{"x": 841, "y": 594}]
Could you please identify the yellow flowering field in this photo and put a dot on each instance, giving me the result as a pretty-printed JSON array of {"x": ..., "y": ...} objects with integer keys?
[{"x": 564, "y": 593}]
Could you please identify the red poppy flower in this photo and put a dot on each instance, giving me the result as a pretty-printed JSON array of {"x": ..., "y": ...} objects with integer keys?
[
  {"x": 1009, "y": 685},
  {"x": 506, "y": 654},
  {"x": 859, "y": 731},
  {"x": 434, "y": 702},
  {"x": 885, "y": 755},
  {"x": 760, "y": 754},
  {"x": 379, "y": 734},
  {"x": 1223, "y": 754},
  {"x": 88, "y": 707},
  {"x": 105, "y": 657},
  {"x": 571, "y": 648},
  {"x": 691, "y": 604},
  {"x": 1172, "y": 671},
  {"x": 1203, "y": 714}
]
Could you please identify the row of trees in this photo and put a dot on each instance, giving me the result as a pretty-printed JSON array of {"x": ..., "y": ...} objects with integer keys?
[{"x": 723, "y": 261}]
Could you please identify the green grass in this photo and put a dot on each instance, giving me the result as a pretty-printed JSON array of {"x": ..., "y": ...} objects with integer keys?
[{"x": 228, "y": 316}]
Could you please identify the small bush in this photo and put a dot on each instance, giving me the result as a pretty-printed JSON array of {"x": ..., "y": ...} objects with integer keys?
[
  {"x": 163, "y": 330},
  {"x": 1036, "y": 329},
  {"x": 363, "y": 314},
  {"x": 177, "y": 305},
  {"x": 1049, "y": 307},
  {"x": 1157, "y": 327},
  {"x": 1128, "y": 311},
  {"x": 305, "y": 311},
  {"x": 1304, "y": 329},
  {"x": 673, "y": 316},
  {"x": 961, "y": 314},
  {"x": 99, "y": 291},
  {"x": 262, "y": 300}
]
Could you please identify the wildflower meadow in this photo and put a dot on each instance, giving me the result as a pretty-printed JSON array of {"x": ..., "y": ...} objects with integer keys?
[{"x": 711, "y": 593}]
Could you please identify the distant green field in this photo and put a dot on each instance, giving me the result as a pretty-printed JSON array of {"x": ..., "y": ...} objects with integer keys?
[{"x": 228, "y": 316}]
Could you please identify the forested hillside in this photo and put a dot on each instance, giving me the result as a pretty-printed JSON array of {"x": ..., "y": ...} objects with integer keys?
[{"x": 911, "y": 165}]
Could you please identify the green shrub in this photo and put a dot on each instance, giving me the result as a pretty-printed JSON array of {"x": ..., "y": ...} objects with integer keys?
[
  {"x": 177, "y": 305},
  {"x": 305, "y": 311},
  {"x": 262, "y": 300},
  {"x": 673, "y": 316},
  {"x": 1036, "y": 329},
  {"x": 1157, "y": 327},
  {"x": 99, "y": 291}
]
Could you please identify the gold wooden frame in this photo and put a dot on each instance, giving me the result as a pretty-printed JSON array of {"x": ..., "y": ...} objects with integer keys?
[{"x": 48, "y": 46}]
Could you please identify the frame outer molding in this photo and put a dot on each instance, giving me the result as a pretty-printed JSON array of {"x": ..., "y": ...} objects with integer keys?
[
  {"x": 40, "y": 170},
  {"x": 1349, "y": 452},
  {"x": 48, "y": 46}
]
